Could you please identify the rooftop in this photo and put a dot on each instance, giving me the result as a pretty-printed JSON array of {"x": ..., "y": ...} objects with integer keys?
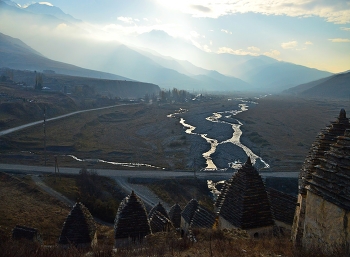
[
  {"x": 131, "y": 220},
  {"x": 245, "y": 202}
]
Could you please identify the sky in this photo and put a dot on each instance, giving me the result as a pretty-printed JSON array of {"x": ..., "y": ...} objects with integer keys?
[{"x": 313, "y": 33}]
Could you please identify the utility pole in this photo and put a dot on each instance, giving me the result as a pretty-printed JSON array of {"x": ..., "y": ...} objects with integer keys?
[
  {"x": 44, "y": 125},
  {"x": 57, "y": 169},
  {"x": 194, "y": 167}
]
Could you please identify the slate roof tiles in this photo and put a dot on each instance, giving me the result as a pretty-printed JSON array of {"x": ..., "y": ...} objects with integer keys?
[
  {"x": 79, "y": 227},
  {"x": 131, "y": 220},
  {"x": 175, "y": 215},
  {"x": 246, "y": 204}
]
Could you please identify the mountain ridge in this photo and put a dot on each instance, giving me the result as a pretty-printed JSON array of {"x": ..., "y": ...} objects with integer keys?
[
  {"x": 335, "y": 86},
  {"x": 15, "y": 54}
]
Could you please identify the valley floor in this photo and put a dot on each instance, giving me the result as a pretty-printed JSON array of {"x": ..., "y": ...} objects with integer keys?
[{"x": 279, "y": 129}]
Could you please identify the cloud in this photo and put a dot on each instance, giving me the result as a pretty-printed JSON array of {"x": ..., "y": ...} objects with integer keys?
[
  {"x": 308, "y": 43},
  {"x": 335, "y": 11},
  {"x": 62, "y": 26},
  {"x": 195, "y": 34},
  {"x": 253, "y": 49},
  {"x": 128, "y": 20},
  {"x": 202, "y": 47},
  {"x": 46, "y": 3},
  {"x": 273, "y": 54},
  {"x": 227, "y": 50},
  {"x": 206, "y": 49},
  {"x": 339, "y": 40},
  {"x": 345, "y": 28},
  {"x": 201, "y": 8},
  {"x": 289, "y": 45},
  {"x": 226, "y": 31}
]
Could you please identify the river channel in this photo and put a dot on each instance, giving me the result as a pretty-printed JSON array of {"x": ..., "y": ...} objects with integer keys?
[{"x": 238, "y": 152}]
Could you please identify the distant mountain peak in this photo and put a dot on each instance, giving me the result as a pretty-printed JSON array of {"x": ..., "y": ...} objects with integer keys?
[
  {"x": 11, "y": 3},
  {"x": 49, "y": 9},
  {"x": 43, "y": 6}
]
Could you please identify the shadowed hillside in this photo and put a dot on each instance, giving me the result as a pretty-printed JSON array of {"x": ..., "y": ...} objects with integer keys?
[{"x": 336, "y": 86}]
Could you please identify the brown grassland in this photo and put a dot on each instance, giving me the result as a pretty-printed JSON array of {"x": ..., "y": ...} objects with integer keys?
[
  {"x": 289, "y": 125},
  {"x": 23, "y": 203},
  {"x": 134, "y": 133},
  {"x": 281, "y": 129}
]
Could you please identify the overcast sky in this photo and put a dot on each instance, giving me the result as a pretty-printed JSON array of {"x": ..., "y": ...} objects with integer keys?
[{"x": 314, "y": 33}]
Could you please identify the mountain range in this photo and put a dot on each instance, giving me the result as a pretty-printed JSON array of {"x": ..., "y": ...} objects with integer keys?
[
  {"x": 145, "y": 60},
  {"x": 15, "y": 54},
  {"x": 335, "y": 86}
]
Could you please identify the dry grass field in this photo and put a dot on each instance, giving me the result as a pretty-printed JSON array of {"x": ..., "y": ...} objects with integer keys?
[
  {"x": 289, "y": 125},
  {"x": 134, "y": 133},
  {"x": 280, "y": 129},
  {"x": 23, "y": 203},
  {"x": 19, "y": 106}
]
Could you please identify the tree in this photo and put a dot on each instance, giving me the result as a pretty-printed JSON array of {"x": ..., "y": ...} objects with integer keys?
[{"x": 39, "y": 81}]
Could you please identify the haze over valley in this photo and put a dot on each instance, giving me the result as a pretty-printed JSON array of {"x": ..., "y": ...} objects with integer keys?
[
  {"x": 151, "y": 54},
  {"x": 174, "y": 128}
]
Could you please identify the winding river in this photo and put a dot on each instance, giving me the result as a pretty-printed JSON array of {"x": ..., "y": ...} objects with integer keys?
[
  {"x": 226, "y": 117},
  {"x": 122, "y": 164}
]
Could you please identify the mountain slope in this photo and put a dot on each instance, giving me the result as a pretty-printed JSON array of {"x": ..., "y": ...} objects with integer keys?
[
  {"x": 131, "y": 63},
  {"x": 261, "y": 71},
  {"x": 15, "y": 54},
  {"x": 279, "y": 76},
  {"x": 336, "y": 86},
  {"x": 213, "y": 77},
  {"x": 39, "y": 8}
]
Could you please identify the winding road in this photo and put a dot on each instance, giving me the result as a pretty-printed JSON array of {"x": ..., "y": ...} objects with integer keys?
[
  {"x": 11, "y": 130},
  {"x": 122, "y": 176}
]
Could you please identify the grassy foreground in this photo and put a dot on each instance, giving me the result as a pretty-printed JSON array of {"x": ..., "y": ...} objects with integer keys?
[
  {"x": 24, "y": 204},
  {"x": 209, "y": 243}
]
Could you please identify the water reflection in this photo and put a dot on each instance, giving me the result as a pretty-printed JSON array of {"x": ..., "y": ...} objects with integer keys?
[
  {"x": 226, "y": 117},
  {"x": 123, "y": 164}
]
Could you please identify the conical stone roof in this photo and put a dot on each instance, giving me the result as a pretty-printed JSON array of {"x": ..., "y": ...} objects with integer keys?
[
  {"x": 159, "y": 207},
  {"x": 79, "y": 227},
  {"x": 282, "y": 205},
  {"x": 131, "y": 220},
  {"x": 159, "y": 223},
  {"x": 188, "y": 212},
  {"x": 203, "y": 218},
  {"x": 175, "y": 215},
  {"x": 322, "y": 144},
  {"x": 331, "y": 178},
  {"x": 221, "y": 197},
  {"x": 245, "y": 203}
]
